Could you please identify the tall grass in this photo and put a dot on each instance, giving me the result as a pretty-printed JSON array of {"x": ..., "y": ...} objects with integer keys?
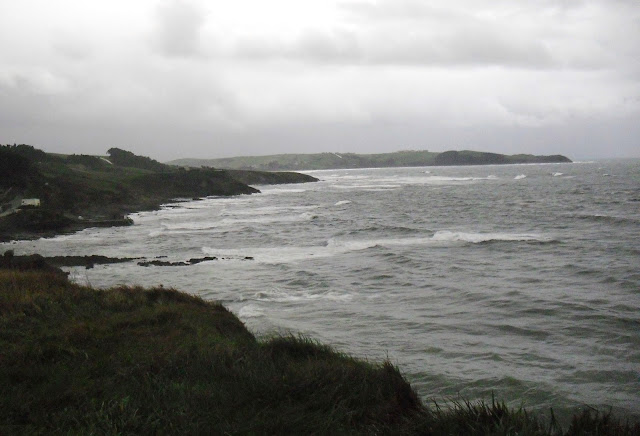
[{"x": 74, "y": 360}]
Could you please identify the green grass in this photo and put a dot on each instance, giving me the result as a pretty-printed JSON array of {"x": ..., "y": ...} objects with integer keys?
[{"x": 74, "y": 360}]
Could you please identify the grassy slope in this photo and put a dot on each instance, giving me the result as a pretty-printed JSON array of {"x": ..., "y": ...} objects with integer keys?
[
  {"x": 116, "y": 190},
  {"x": 113, "y": 190},
  {"x": 90, "y": 187},
  {"x": 270, "y": 178},
  {"x": 352, "y": 160},
  {"x": 134, "y": 361}
]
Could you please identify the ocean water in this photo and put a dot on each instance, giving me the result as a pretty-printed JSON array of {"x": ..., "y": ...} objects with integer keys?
[{"x": 519, "y": 281}]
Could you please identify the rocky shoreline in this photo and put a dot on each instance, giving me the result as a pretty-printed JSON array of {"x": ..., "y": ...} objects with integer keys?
[{"x": 54, "y": 263}]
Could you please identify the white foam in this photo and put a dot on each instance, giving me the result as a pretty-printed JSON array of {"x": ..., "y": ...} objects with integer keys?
[
  {"x": 267, "y": 210},
  {"x": 520, "y": 176},
  {"x": 276, "y": 255},
  {"x": 337, "y": 246},
  {"x": 278, "y": 191},
  {"x": 280, "y": 296},
  {"x": 437, "y": 180},
  {"x": 448, "y": 236},
  {"x": 194, "y": 225},
  {"x": 250, "y": 311},
  {"x": 449, "y": 179},
  {"x": 342, "y": 202},
  {"x": 224, "y": 223},
  {"x": 351, "y": 177},
  {"x": 557, "y": 174},
  {"x": 342, "y": 246},
  {"x": 369, "y": 186}
]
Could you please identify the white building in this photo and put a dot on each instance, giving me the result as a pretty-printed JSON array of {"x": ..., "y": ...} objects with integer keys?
[{"x": 30, "y": 202}]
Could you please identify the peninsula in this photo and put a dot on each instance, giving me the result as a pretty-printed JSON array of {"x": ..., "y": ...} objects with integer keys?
[
  {"x": 410, "y": 158},
  {"x": 43, "y": 194}
]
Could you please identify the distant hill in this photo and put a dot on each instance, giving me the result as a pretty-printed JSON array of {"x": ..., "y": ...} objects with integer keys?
[{"x": 321, "y": 161}]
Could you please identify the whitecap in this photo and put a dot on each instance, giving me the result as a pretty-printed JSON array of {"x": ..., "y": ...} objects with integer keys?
[
  {"x": 342, "y": 202},
  {"x": 338, "y": 246},
  {"x": 520, "y": 176},
  {"x": 266, "y": 210},
  {"x": 341, "y": 245},
  {"x": 276, "y": 191},
  {"x": 288, "y": 254},
  {"x": 280, "y": 296},
  {"x": 445, "y": 179},
  {"x": 449, "y": 179},
  {"x": 557, "y": 174},
  {"x": 250, "y": 311},
  {"x": 369, "y": 186},
  {"x": 475, "y": 238}
]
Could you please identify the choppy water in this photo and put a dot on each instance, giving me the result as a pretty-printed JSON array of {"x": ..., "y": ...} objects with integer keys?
[{"x": 522, "y": 281}]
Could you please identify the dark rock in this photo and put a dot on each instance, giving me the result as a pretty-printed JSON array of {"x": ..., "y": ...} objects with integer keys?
[
  {"x": 34, "y": 262},
  {"x": 161, "y": 263},
  {"x": 191, "y": 261},
  {"x": 201, "y": 259},
  {"x": 87, "y": 261}
]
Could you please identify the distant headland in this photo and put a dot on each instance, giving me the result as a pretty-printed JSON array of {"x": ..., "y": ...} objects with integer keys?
[
  {"x": 44, "y": 194},
  {"x": 409, "y": 158}
]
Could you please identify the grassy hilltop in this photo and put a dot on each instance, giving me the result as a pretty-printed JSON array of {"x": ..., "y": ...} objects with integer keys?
[
  {"x": 409, "y": 158},
  {"x": 78, "y": 191},
  {"x": 75, "y": 360}
]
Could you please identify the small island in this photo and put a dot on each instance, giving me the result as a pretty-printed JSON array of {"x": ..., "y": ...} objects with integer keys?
[{"x": 410, "y": 158}]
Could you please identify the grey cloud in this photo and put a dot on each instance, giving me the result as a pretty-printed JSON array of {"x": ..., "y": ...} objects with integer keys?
[
  {"x": 400, "y": 74},
  {"x": 402, "y": 10},
  {"x": 467, "y": 46},
  {"x": 409, "y": 32},
  {"x": 481, "y": 45},
  {"x": 178, "y": 28},
  {"x": 539, "y": 34},
  {"x": 32, "y": 81},
  {"x": 337, "y": 46},
  {"x": 71, "y": 46}
]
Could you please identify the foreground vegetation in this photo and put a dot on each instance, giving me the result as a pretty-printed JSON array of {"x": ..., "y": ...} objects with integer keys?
[
  {"x": 79, "y": 191},
  {"x": 409, "y": 158},
  {"x": 75, "y": 360}
]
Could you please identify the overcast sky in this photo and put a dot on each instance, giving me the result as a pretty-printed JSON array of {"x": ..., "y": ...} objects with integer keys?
[{"x": 190, "y": 78}]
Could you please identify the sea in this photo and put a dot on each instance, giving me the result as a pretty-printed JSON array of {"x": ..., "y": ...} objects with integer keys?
[{"x": 514, "y": 282}]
